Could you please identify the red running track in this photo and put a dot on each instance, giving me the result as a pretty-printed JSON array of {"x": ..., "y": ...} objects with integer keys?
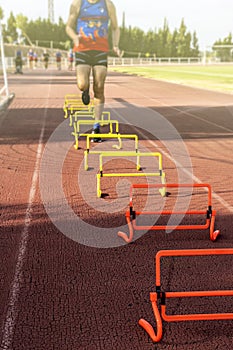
[{"x": 59, "y": 293}]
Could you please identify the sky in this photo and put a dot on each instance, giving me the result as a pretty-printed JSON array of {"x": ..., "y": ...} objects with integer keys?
[{"x": 211, "y": 19}]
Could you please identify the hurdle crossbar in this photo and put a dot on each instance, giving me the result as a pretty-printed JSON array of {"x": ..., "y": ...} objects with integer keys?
[
  {"x": 74, "y": 104},
  {"x": 112, "y": 136},
  {"x": 132, "y": 214},
  {"x": 160, "y": 171},
  {"x": 159, "y": 295},
  {"x": 80, "y": 114},
  {"x": 75, "y": 97},
  {"x": 102, "y": 122},
  {"x": 88, "y": 152},
  {"x": 76, "y": 133},
  {"x": 74, "y": 100},
  {"x": 89, "y": 114},
  {"x": 78, "y": 110}
]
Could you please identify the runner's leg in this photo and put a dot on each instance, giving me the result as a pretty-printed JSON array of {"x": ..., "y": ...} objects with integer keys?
[
  {"x": 99, "y": 76},
  {"x": 83, "y": 78}
]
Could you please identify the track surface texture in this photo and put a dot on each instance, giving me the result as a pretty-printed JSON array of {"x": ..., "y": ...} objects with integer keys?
[{"x": 56, "y": 292}]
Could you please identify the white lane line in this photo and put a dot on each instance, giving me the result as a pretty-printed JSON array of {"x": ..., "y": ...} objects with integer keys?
[
  {"x": 199, "y": 118},
  {"x": 12, "y": 311},
  {"x": 187, "y": 112},
  {"x": 179, "y": 165},
  {"x": 195, "y": 179},
  {"x": 191, "y": 72},
  {"x": 214, "y": 195}
]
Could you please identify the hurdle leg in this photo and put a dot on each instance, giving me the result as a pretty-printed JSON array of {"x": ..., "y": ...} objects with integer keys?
[
  {"x": 131, "y": 231},
  {"x": 76, "y": 143},
  {"x": 138, "y": 163},
  {"x": 75, "y": 134},
  {"x": 65, "y": 112},
  {"x": 216, "y": 233},
  {"x": 71, "y": 120},
  {"x": 98, "y": 186},
  {"x": 119, "y": 146},
  {"x": 148, "y": 327},
  {"x": 162, "y": 190},
  {"x": 110, "y": 127},
  {"x": 85, "y": 160}
]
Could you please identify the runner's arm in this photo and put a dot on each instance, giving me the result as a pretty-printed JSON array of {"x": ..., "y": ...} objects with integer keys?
[
  {"x": 115, "y": 27},
  {"x": 72, "y": 20}
]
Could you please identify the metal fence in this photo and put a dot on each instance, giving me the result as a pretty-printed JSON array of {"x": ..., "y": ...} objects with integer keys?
[
  {"x": 5, "y": 96},
  {"x": 115, "y": 61},
  {"x": 112, "y": 61}
]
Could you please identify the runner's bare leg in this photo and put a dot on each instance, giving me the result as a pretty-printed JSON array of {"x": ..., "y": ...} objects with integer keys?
[
  {"x": 83, "y": 76},
  {"x": 99, "y": 76}
]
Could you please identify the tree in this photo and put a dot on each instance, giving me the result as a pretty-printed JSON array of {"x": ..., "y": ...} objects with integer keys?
[
  {"x": 11, "y": 31},
  {"x": 4, "y": 31},
  {"x": 195, "y": 46},
  {"x": 22, "y": 25},
  {"x": 183, "y": 41},
  {"x": 224, "y": 53},
  {"x": 163, "y": 39},
  {"x": 151, "y": 42},
  {"x": 174, "y": 41},
  {"x": 134, "y": 41},
  {"x": 1, "y": 14}
]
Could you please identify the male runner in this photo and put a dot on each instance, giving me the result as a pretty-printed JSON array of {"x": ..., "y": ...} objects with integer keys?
[{"x": 87, "y": 26}]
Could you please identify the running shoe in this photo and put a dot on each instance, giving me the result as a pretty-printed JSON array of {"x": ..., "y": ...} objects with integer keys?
[
  {"x": 86, "y": 97},
  {"x": 96, "y": 130}
]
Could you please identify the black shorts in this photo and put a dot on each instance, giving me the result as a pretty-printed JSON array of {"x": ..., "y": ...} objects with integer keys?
[{"x": 92, "y": 58}]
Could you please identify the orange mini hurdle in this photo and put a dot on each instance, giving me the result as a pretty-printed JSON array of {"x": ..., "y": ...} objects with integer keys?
[
  {"x": 160, "y": 314},
  {"x": 131, "y": 214}
]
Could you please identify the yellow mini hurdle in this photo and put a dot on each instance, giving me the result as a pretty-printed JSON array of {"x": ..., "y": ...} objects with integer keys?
[
  {"x": 85, "y": 114},
  {"x": 118, "y": 147},
  {"x": 80, "y": 114},
  {"x": 160, "y": 173},
  {"x": 75, "y": 109},
  {"x": 74, "y": 99},
  {"x": 112, "y": 136},
  {"x": 102, "y": 122},
  {"x": 73, "y": 104},
  {"x": 76, "y": 133}
]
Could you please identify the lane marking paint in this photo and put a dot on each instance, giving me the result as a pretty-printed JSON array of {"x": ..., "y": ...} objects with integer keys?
[
  {"x": 12, "y": 312},
  {"x": 192, "y": 72},
  {"x": 187, "y": 172}
]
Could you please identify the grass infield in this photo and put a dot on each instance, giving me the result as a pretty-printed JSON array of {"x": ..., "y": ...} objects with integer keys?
[{"x": 216, "y": 77}]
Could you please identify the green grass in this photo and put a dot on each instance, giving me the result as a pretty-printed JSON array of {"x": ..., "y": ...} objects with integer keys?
[{"x": 219, "y": 77}]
